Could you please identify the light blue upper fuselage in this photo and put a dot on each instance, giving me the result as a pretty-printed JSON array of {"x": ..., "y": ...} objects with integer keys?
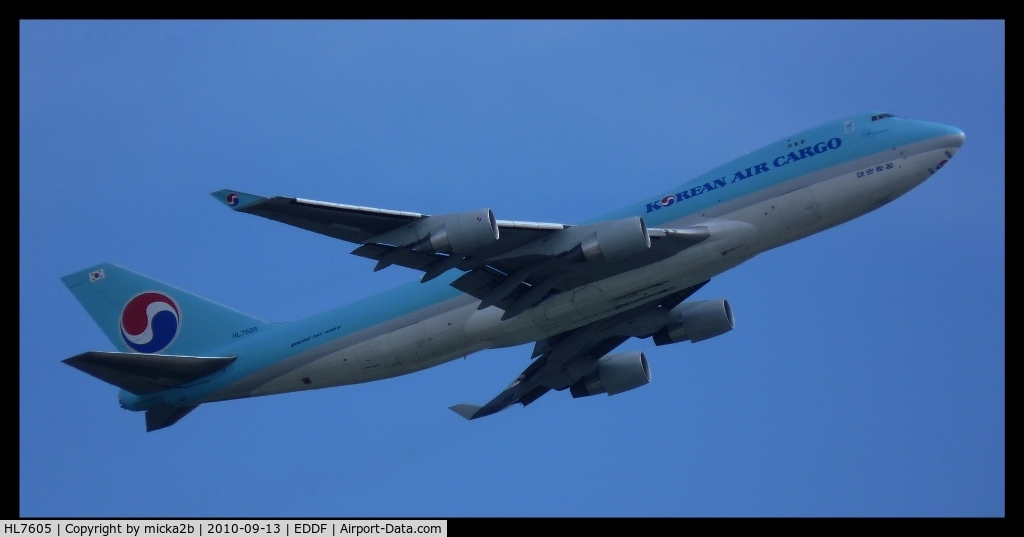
[
  {"x": 804, "y": 153},
  {"x": 869, "y": 137}
]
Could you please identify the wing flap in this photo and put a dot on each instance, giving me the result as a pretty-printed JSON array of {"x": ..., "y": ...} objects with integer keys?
[
  {"x": 478, "y": 282},
  {"x": 404, "y": 257}
]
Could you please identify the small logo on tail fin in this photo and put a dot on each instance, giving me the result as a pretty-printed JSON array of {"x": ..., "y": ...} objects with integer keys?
[
  {"x": 96, "y": 276},
  {"x": 150, "y": 321},
  {"x": 232, "y": 199}
]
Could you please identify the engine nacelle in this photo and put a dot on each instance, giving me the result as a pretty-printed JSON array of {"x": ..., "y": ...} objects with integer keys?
[
  {"x": 612, "y": 240},
  {"x": 464, "y": 232},
  {"x": 448, "y": 233},
  {"x": 696, "y": 321},
  {"x": 615, "y": 373}
]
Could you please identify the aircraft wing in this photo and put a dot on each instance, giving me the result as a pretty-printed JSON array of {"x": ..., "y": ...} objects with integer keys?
[
  {"x": 566, "y": 359},
  {"x": 510, "y": 264}
]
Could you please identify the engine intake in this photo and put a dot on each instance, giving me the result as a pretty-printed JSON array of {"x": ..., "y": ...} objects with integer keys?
[
  {"x": 615, "y": 373},
  {"x": 696, "y": 321}
]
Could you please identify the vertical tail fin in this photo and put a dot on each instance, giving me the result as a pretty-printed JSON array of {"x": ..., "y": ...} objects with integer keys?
[{"x": 141, "y": 315}]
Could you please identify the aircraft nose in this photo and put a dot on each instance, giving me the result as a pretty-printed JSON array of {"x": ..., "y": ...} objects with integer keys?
[
  {"x": 948, "y": 136},
  {"x": 956, "y": 136}
]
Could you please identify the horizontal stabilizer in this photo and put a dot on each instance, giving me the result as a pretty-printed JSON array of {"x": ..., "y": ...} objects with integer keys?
[
  {"x": 143, "y": 374},
  {"x": 466, "y": 411},
  {"x": 165, "y": 416}
]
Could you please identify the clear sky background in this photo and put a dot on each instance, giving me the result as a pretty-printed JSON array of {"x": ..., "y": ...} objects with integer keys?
[{"x": 865, "y": 376}]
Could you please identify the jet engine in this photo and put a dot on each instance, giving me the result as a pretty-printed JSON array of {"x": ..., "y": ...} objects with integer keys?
[
  {"x": 460, "y": 232},
  {"x": 612, "y": 240},
  {"x": 448, "y": 233},
  {"x": 615, "y": 373},
  {"x": 696, "y": 321}
]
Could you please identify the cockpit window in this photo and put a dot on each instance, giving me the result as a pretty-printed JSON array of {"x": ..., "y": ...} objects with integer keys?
[{"x": 881, "y": 116}]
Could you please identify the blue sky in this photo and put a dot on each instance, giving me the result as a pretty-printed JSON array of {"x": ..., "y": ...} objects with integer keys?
[{"x": 865, "y": 376}]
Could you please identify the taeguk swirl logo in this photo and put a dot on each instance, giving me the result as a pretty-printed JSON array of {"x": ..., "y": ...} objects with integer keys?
[{"x": 150, "y": 321}]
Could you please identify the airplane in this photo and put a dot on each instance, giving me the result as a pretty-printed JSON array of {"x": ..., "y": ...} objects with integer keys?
[{"x": 577, "y": 292}]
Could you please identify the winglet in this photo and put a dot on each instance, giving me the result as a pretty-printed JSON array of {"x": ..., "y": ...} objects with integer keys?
[
  {"x": 235, "y": 199},
  {"x": 466, "y": 411}
]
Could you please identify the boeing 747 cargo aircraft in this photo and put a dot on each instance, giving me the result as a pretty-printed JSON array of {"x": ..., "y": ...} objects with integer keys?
[{"x": 577, "y": 291}]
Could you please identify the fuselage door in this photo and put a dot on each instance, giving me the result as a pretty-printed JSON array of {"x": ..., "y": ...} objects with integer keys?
[{"x": 849, "y": 127}]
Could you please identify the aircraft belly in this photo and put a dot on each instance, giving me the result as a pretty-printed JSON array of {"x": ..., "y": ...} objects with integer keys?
[
  {"x": 570, "y": 309},
  {"x": 346, "y": 366},
  {"x": 409, "y": 344},
  {"x": 486, "y": 327},
  {"x": 407, "y": 349}
]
